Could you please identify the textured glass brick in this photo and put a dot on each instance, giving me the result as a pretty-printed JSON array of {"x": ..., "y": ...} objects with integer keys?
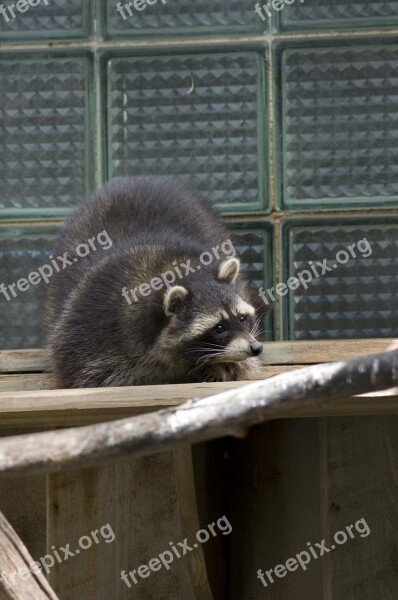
[
  {"x": 339, "y": 124},
  {"x": 44, "y": 134},
  {"x": 49, "y": 19},
  {"x": 336, "y": 14},
  {"x": 198, "y": 118},
  {"x": 253, "y": 244},
  {"x": 358, "y": 299},
  {"x": 22, "y": 251},
  {"x": 183, "y": 16}
]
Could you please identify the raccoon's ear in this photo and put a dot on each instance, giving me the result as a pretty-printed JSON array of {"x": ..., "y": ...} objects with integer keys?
[
  {"x": 173, "y": 299},
  {"x": 229, "y": 270}
]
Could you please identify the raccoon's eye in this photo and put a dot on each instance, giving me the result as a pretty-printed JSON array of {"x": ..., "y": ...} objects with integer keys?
[
  {"x": 219, "y": 329},
  {"x": 242, "y": 318}
]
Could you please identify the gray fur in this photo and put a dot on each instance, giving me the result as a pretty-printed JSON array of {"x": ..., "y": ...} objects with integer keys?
[{"x": 96, "y": 338}]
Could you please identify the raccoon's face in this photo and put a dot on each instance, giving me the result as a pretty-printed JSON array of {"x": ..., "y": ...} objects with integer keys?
[{"x": 211, "y": 322}]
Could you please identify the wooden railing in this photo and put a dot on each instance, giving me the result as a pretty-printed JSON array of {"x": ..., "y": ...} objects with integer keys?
[{"x": 296, "y": 380}]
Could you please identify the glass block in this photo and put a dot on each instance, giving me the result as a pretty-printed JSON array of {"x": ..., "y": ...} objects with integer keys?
[
  {"x": 165, "y": 17},
  {"x": 352, "y": 297},
  {"x": 49, "y": 19},
  {"x": 199, "y": 118},
  {"x": 253, "y": 242},
  {"x": 337, "y": 14},
  {"x": 339, "y": 126},
  {"x": 22, "y": 251},
  {"x": 45, "y": 134}
]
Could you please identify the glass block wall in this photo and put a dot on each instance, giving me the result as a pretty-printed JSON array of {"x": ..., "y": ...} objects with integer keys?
[{"x": 284, "y": 113}]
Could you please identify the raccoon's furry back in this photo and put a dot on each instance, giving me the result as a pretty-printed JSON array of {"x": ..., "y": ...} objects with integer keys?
[
  {"x": 135, "y": 212},
  {"x": 94, "y": 337}
]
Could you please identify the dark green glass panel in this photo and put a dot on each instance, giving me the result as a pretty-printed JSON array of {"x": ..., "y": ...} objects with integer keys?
[
  {"x": 200, "y": 118},
  {"x": 48, "y": 19},
  {"x": 47, "y": 157},
  {"x": 167, "y": 17},
  {"x": 338, "y": 123},
  {"x": 338, "y": 14},
  {"x": 354, "y": 298},
  {"x": 253, "y": 242},
  {"x": 22, "y": 251}
]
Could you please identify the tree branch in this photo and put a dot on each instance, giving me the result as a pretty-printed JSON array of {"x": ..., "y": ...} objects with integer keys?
[
  {"x": 17, "y": 581},
  {"x": 197, "y": 420}
]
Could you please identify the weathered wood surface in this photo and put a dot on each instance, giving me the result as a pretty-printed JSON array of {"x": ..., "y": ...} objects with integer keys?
[
  {"x": 67, "y": 408},
  {"x": 295, "y": 482},
  {"x": 25, "y": 382},
  {"x": 361, "y": 466},
  {"x": 17, "y": 581},
  {"x": 23, "y": 501},
  {"x": 276, "y": 508},
  {"x": 21, "y": 382},
  {"x": 147, "y": 502},
  {"x": 22, "y": 361},
  {"x": 276, "y": 353},
  {"x": 224, "y": 414}
]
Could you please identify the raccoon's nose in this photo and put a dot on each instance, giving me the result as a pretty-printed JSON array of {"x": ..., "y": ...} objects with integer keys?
[{"x": 256, "y": 348}]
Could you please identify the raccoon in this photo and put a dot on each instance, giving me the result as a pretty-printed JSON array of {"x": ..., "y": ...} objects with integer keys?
[{"x": 115, "y": 318}]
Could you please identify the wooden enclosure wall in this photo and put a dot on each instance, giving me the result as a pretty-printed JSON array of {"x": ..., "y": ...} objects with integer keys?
[
  {"x": 294, "y": 482},
  {"x": 289, "y": 482}
]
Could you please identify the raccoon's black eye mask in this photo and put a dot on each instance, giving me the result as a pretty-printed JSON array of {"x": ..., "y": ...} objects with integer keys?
[
  {"x": 223, "y": 326},
  {"x": 219, "y": 328}
]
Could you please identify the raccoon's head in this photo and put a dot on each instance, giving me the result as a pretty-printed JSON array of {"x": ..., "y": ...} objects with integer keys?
[{"x": 211, "y": 319}]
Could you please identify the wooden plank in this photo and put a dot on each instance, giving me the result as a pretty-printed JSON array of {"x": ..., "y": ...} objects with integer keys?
[
  {"x": 320, "y": 351},
  {"x": 139, "y": 499},
  {"x": 275, "y": 509},
  {"x": 229, "y": 413},
  {"x": 25, "y": 382},
  {"x": 191, "y": 523},
  {"x": 22, "y": 361},
  {"x": 23, "y": 501},
  {"x": 41, "y": 381},
  {"x": 362, "y": 467},
  {"x": 58, "y": 408},
  {"x": 210, "y": 469},
  {"x": 275, "y": 353}
]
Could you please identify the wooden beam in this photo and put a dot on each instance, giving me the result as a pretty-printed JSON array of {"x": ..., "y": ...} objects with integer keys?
[
  {"x": 69, "y": 408},
  {"x": 276, "y": 353},
  {"x": 228, "y": 413},
  {"x": 22, "y": 361},
  {"x": 19, "y": 579}
]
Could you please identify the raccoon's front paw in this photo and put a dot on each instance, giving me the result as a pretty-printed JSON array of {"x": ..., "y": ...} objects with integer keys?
[
  {"x": 209, "y": 378},
  {"x": 217, "y": 373}
]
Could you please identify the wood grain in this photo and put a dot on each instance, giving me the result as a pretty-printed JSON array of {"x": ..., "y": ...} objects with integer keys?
[
  {"x": 139, "y": 499},
  {"x": 228, "y": 413},
  {"x": 361, "y": 471},
  {"x": 275, "y": 509},
  {"x": 22, "y": 361},
  {"x": 17, "y": 581},
  {"x": 23, "y": 501},
  {"x": 275, "y": 353},
  {"x": 68, "y": 408}
]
